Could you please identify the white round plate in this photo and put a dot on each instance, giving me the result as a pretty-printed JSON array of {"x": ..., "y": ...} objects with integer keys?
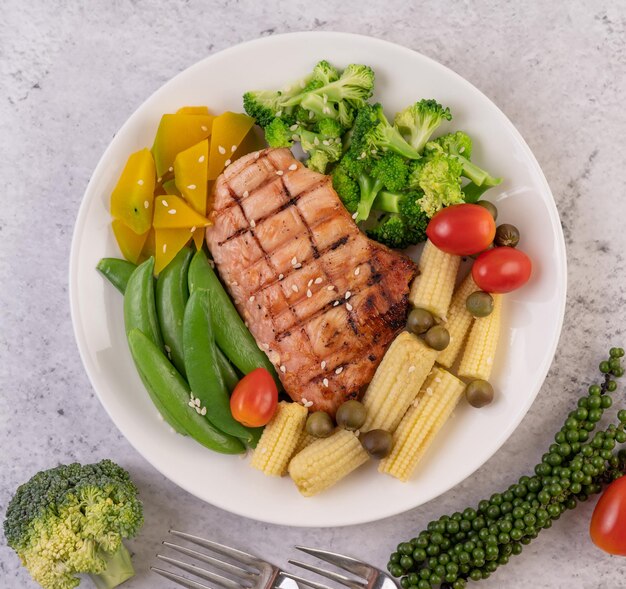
[{"x": 532, "y": 315}]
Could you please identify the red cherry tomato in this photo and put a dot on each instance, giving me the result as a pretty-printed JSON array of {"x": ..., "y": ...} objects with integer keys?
[
  {"x": 608, "y": 522},
  {"x": 501, "y": 269},
  {"x": 462, "y": 230},
  {"x": 254, "y": 399}
]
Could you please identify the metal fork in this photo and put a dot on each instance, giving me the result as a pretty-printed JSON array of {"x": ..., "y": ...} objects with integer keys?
[{"x": 247, "y": 571}]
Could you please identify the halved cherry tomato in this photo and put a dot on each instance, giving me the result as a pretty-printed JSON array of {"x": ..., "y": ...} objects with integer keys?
[
  {"x": 254, "y": 400},
  {"x": 608, "y": 522},
  {"x": 501, "y": 269},
  {"x": 462, "y": 230}
]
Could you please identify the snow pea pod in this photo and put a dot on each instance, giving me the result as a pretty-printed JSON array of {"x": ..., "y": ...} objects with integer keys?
[
  {"x": 116, "y": 271},
  {"x": 231, "y": 334},
  {"x": 166, "y": 384},
  {"x": 139, "y": 304},
  {"x": 203, "y": 372},
  {"x": 172, "y": 293}
]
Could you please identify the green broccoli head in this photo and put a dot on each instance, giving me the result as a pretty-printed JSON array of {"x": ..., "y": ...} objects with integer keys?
[
  {"x": 391, "y": 170},
  {"x": 439, "y": 177},
  {"x": 346, "y": 187},
  {"x": 279, "y": 134},
  {"x": 70, "y": 520},
  {"x": 324, "y": 73},
  {"x": 459, "y": 146},
  {"x": 417, "y": 122},
  {"x": 373, "y": 134}
]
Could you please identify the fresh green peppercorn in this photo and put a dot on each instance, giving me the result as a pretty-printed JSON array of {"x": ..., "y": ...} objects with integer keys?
[
  {"x": 406, "y": 562},
  {"x": 618, "y": 372},
  {"x": 604, "y": 367},
  {"x": 611, "y": 386},
  {"x": 493, "y": 211}
]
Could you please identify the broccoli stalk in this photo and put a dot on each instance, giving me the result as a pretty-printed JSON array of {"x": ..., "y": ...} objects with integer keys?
[
  {"x": 418, "y": 122},
  {"x": 118, "y": 568},
  {"x": 71, "y": 520}
]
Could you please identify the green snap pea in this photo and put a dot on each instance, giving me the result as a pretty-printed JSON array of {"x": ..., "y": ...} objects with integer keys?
[
  {"x": 231, "y": 334},
  {"x": 116, "y": 271},
  {"x": 166, "y": 384},
  {"x": 229, "y": 374},
  {"x": 172, "y": 293},
  {"x": 139, "y": 305},
  {"x": 203, "y": 372}
]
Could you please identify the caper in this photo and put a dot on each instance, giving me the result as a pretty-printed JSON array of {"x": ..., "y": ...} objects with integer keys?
[
  {"x": 490, "y": 207},
  {"x": 479, "y": 393},
  {"x": 437, "y": 338},
  {"x": 351, "y": 415},
  {"x": 479, "y": 304},
  {"x": 420, "y": 321},
  {"x": 377, "y": 443},
  {"x": 506, "y": 235},
  {"x": 319, "y": 424}
]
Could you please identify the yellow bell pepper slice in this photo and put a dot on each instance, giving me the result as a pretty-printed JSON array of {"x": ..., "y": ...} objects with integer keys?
[
  {"x": 172, "y": 212},
  {"x": 190, "y": 174},
  {"x": 130, "y": 243},
  {"x": 168, "y": 243},
  {"x": 132, "y": 198},
  {"x": 175, "y": 134},
  {"x": 229, "y": 130},
  {"x": 193, "y": 110}
]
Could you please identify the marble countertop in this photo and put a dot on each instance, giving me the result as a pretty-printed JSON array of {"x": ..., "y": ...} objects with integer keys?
[{"x": 71, "y": 75}]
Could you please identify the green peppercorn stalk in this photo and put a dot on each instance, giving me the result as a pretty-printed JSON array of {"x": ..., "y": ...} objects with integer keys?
[{"x": 471, "y": 545}]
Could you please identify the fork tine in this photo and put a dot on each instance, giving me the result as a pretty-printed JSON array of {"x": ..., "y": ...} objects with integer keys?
[
  {"x": 218, "y": 564},
  {"x": 347, "y": 563},
  {"x": 307, "y": 582},
  {"x": 353, "y": 584},
  {"x": 178, "y": 579},
  {"x": 202, "y": 573},
  {"x": 221, "y": 549}
]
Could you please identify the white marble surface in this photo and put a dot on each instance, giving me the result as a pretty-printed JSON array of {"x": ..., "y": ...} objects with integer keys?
[{"x": 73, "y": 72}]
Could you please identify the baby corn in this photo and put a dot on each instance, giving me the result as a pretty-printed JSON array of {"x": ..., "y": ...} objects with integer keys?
[
  {"x": 397, "y": 381},
  {"x": 279, "y": 439},
  {"x": 326, "y": 461},
  {"x": 432, "y": 289},
  {"x": 477, "y": 359},
  {"x": 306, "y": 439},
  {"x": 421, "y": 423},
  {"x": 458, "y": 322}
]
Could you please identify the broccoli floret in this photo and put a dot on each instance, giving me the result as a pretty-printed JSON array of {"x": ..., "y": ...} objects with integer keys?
[
  {"x": 459, "y": 146},
  {"x": 439, "y": 177},
  {"x": 346, "y": 187},
  {"x": 278, "y": 134},
  {"x": 321, "y": 95},
  {"x": 71, "y": 520},
  {"x": 321, "y": 147},
  {"x": 404, "y": 222},
  {"x": 417, "y": 122},
  {"x": 372, "y": 175},
  {"x": 373, "y": 134}
]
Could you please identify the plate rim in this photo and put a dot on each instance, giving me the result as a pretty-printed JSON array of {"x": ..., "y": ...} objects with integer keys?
[{"x": 462, "y": 473}]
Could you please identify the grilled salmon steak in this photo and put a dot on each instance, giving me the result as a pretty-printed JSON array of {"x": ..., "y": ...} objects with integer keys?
[{"x": 320, "y": 298}]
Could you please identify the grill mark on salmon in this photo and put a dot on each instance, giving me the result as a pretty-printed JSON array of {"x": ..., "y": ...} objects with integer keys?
[{"x": 319, "y": 297}]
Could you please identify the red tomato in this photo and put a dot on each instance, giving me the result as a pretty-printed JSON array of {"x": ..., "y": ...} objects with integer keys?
[
  {"x": 501, "y": 269},
  {"x": 608, "y": 522},
  {"x": 462, "y": 230},
  {"x": 254, "y": 399}
]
